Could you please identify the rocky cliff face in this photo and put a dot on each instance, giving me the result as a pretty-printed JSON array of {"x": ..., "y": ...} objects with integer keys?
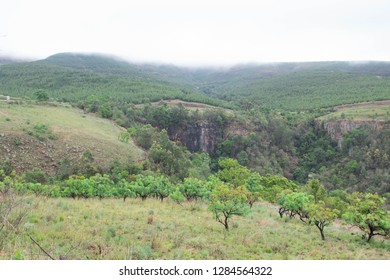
[
  {"x": 338, "y": 128},
  {"x": 202, "y": 136}
]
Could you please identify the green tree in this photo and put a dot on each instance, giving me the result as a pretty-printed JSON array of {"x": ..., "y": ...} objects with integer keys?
[
  {"x": 41, "y": 95},
  {"x": 145, "y": 135},
  {"x": 294, "y": 203},
  {"x": 124, "y": 189},
  {"x": 200, "y": 166},
  {"x": 232, "y": 172},
  {"x": 275, "y": 184},
  {"x": 254, "y": 187},
  {"x": 193, "y": 189},
  {"x": 77, "y": 187},
  {"x": 161, "y": 187},
  {"x": 316, "y": 189},
  {"x": 168, "y": 158},
  {"x": 92, "y": 104},
  {"x": 321, "y": 216},
  {"x": 367, "y": 212},
  {"x": 102, "y": 185},
  {"x": 105, "y": 110},
  {"x": 177, "y": 196},
  {"x": 227, "y": 202},
  {"x": 143, "y": 186}
]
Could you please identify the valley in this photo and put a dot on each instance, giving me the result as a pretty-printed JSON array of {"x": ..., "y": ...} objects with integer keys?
[{"x": 105, "y": 159}]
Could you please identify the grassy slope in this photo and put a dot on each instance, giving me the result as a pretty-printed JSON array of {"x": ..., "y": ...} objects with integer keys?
[
  {"x": 76, "y": 132},
  {"x": 370, "y": 111},
  {"x": 135, "y": 229}
]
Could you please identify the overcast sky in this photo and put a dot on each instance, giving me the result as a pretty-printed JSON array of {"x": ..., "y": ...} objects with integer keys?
[{"x": 199, "y": 32}]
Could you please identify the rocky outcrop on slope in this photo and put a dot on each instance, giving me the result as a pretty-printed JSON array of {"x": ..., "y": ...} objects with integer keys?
[{"x": 338, "y": 128}]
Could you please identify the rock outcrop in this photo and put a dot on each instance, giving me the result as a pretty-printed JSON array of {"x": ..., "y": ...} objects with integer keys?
[
  {"x": 338, "y": 128},
  {"x": 202, "y": 137}
]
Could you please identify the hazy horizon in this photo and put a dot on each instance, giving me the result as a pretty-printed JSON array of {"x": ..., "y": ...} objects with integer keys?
[
  {"x": 22, "y": 59},
  {"x": 199, "y": 33}
]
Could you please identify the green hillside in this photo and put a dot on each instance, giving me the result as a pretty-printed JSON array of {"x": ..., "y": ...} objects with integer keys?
[
  {"x": 288, "y": 86},
  {"x": 36, "y": 136},
  {"x": 71, "y": 77},
  {"x": 300, "y": 86}
]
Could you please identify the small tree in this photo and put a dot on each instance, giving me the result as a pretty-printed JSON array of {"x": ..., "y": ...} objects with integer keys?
[
  {"x": 77, "y": 186},
  {"x": 192, "y": 189},
  {"x": 316, "y": 189},
  {"x": 177, "y": 196},
  {"x": 142, "y": 187},
  {"x": 161, "y": 187},
  {"x": 367, "y": 212},
  {"x": 124, "y": 189},
  {"x": 226, "y": 202},
  {"x": 292, "y": 204},
  {"x": 102, "y": 185},
  {"x": 321, "y": 216},
  {"x": 254, "y": 187}
]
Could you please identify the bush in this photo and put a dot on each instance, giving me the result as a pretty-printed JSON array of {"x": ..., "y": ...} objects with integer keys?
[{"x": 35, "y": 176}]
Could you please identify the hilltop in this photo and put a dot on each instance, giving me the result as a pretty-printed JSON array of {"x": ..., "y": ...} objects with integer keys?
[{"x": 282, "y": 86}]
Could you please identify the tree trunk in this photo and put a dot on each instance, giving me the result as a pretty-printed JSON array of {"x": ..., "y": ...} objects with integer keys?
[
  {"x": 281, "y": 211},
  {"x": 371, "y": 234},
  {"x": 322, "y": 234},
  {"x": 321, "y": 228},
  {"x": 226, "y": 224}
]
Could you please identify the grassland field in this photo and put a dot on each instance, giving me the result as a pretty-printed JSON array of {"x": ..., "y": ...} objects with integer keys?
[
  {"x": 150, "y": 229},
  {"x": 368, "y": 111}
]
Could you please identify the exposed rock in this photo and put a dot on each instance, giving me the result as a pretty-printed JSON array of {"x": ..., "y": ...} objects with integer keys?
[
  {"x": 200, "y": 137},
  {"x": 338, "y": 128}
]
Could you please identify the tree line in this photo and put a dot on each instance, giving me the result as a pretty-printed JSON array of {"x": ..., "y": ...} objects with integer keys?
[{"x": 232, "y": 191}]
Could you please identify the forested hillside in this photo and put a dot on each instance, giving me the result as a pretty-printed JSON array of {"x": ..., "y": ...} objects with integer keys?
[
  {"x": 299, "y": 86},
  {"x": 74, "y": 77}
]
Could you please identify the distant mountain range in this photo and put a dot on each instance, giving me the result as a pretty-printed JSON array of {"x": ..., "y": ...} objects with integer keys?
[{"x": 289, "y": 86}]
